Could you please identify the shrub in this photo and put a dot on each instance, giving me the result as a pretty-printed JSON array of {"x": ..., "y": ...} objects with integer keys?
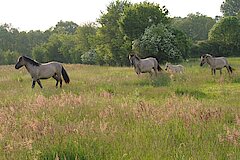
[
  {"x": 89, "y": 57},
  {"x": 159, "y": 81},
  {"x": 194, "y": 93}
]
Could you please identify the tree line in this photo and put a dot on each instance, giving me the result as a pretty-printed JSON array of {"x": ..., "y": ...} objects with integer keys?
[{"x": 144, "y": 28}]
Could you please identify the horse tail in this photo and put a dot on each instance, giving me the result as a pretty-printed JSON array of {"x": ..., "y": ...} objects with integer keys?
[
  {"x": 65, "y": 75},
  {"x": 159, "y": 68},
  {"x": 230, "y": 68}
]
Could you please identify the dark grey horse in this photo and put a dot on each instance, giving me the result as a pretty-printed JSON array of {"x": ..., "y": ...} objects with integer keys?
[
  {"x": 144, "y": 65},
  {"x": 216, "y": 63},
  {"x": 43, "y": 71}
]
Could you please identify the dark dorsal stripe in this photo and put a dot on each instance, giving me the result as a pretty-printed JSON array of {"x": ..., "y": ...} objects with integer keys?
[{"x": 31, "y": 61}]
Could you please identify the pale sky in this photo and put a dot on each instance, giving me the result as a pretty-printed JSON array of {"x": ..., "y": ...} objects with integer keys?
[{"x": 28, "y": 15}]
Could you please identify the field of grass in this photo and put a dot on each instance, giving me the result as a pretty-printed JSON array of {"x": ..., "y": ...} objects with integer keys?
[{"x": 111, "y": 113}]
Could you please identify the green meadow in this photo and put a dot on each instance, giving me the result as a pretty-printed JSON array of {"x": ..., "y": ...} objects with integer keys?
[{"x": 111, "y": 113}]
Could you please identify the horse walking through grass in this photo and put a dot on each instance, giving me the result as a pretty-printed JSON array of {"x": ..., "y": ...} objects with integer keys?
[
  {"x": 144, "y": 65},
  {"x": 174, "y": 68},
  {"x": 43, "y": 70},
  {"x": 216, "y": 63}
]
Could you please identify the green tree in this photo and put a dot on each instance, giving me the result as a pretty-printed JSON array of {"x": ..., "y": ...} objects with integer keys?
[
  {"x": 67, "y": 27},
  {"x": 37, "y": 37},
  {"x": 13, "y": 42},
  {"x": 182, "y": 42},
  {"x": 66, "y": 46},
  {"x": 196, "y": 26},
  {"x": 111, "y": 46},
  {"x": 230, "y": 7},
  {"x": 67, "y": 49},
  {"x": 137, "y": 17},
  {"x": 84, "y": 37},
  {"x": 7, "y": 37},
  {"x": 226, "y": 32},
  {"x": 40, "y": 53},
  {"x": 53, "y": 48},
  {"x": 22, "y": 43},
  {"x": 10, "y": 57}
]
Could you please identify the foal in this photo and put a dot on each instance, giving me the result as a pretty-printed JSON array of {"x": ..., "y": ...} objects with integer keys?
[{"x": 174, "y": 68}]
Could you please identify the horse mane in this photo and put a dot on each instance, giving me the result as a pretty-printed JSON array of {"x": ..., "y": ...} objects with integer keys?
[
  {"x": 208, "y": 55},
  {"x": 31, "y": 61},
  {"x": 138, "y": 58}
]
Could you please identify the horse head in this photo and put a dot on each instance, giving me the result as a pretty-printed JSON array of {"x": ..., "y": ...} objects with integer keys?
[
  {"x": 20, "y": 62},
  {"x": 130, "y": 57},
  {"x": 204, "y": 59},
  {"x": 133, "y": 56},
  {"x": 167, "y": 66}
]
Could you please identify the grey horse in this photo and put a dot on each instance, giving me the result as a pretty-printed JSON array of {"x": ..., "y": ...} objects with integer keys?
[
  {"x": 144, "y": 65},
  {"x": 43, "y": 71},
  {"x": 174, "y": 68},
  {"x": 216, "y": 63}
]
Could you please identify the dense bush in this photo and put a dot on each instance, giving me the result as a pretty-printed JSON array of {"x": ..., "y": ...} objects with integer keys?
[
  {"x": 215, "y": 48},
  {"x": 89, "y": 57}
]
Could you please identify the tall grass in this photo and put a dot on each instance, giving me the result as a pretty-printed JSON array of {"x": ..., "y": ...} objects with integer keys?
[{"x": 111, "y": 113}]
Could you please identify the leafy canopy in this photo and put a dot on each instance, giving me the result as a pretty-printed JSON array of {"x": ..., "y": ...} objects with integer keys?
[
  {"x": 226, "y": 31},
  {"x": 230, "y": 7},
  {"x": 196, "y": 26},
  {"x": 137, "y": 17},
  {"x": 163, "y": 42}
]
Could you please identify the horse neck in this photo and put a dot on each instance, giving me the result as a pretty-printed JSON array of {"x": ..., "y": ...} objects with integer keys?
[
  {"x": 30, "y": 68},
  {"x": 210, "y": 60},
  {"x": 135, "y": 62}
]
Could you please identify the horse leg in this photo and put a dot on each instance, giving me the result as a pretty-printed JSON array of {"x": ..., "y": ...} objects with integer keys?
[
  {"x": 60, "y": 82},
  {"x": 155, "y": 70},
  {"x": 214, "y": 72},
  {"x": 150, "y": 73},
  {"x": 33, "y": 84},
  {"x": 39, "y": 83},
  {"x": 220, "y": 71},
  {"x": 55, "y": 77},
  {"x": 59, "y": 79},
  {"x": 228, "y": 69}
]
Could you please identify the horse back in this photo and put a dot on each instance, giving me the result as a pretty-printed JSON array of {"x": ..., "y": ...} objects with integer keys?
[
  {"x": 49, "y": 69},
  {"x": 53, "y": 63},
  {"x": 176, "y": 68},
  {"x": 220, "y": 61},
  {"x": 149, "y": 62}
]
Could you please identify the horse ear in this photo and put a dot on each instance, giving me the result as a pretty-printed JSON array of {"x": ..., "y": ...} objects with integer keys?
[
  {"x": 137, "y": 56},
  {"x": 131, "y": 54},
  {"x": 24, "y": 57},
  {"x": 209, "y": 55},
  {"x": 20, "y": 58}
]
